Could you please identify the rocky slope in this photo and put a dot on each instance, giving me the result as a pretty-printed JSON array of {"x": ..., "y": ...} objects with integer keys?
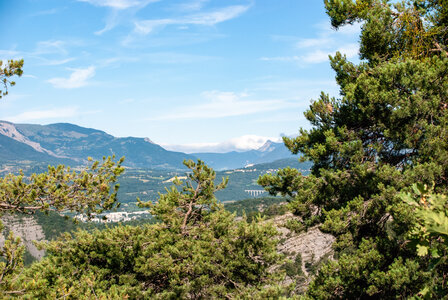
[
  {"x": 27, "y": 228},
  {"x": 313, "y": 247}
]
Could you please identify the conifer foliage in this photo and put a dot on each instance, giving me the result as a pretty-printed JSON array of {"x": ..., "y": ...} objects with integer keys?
[
  {"x": 61, "y": 189},
  {"x": 197, "y": 251},
  {"x": 7, "y": 70},
  {"x": 386, "y": 131},
  {"x": 89, "y": 191}
]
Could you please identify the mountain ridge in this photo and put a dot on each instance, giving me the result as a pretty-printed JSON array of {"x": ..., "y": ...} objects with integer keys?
[
  {"x": 268, "y": 152},
  {"x": 72, "y": 144}
]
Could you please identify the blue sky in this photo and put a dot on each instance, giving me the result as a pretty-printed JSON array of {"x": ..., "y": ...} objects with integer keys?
[{"x": 192, "y": 75}]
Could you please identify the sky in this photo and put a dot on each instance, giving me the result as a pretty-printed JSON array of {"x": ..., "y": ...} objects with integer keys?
[{"x": 191, "y": 75}]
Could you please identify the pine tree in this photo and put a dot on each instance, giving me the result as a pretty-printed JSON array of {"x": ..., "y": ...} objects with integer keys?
[
  {"x": 196, "y": 251},
  {"x": 386, "y": 131},
  {"x": 90, "y": 191}
]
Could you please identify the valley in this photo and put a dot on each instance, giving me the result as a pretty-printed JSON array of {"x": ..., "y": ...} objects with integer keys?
[
  {"x": 149, "y": 168},
  {"x": 147, "y": 184}
]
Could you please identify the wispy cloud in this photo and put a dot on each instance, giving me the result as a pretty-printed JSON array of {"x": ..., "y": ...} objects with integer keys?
[
  {"x": 157, "y": 58},
  {"x": 45, "y": 53},
  {"x": 316, "y": 42},
  {"x": 319, "y": 56},
  {"x": 78, "y": 78},
  {"x": 297, "y": 89},
  {"x": 121, "y": 11},
  {"x": 242, "y": 143},
  {"x": 224, "y": 104},
  {"x": 350, "y": 50},
  {"x": 5, "y": 55},
  {"x": 111, "y": 21},
  {"x": 9, "y": 52},
  {"x": 55, "y": 62},
  {"x": 316, "y": 50},
  {"x": 46, "y": 12},
  {"x": 118, "y": 4},
  {"x": 29, "y": 76},
  {"x": 51, "y": 47},
  {"x": 193, "y": 5},
  {"x": 206, "y": 19},
  {"x": 33, "y": 115}
]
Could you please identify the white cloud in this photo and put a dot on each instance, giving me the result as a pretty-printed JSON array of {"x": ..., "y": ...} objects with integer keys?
[
  {"x": 319, "y": 56},
  {"x": 118, "y": 4},
  {"x": 77, "y": 79},
  {"x": 224, "y": 104},
  {"x": 9, "y": 53},
  {"x": 45, "y": 12},
  {"x": 45, "y": 53},
  {"x": 65, "y": 112},
  {"x": 29, "y": 76},
  {"x": 56, "y": 62},
  {"x": 316, "y": 57},
  {"x": 206, "y": 19},
  {"x": 316, "y": 50},
  {"x": 194, "y": 5},
  {"x": 317, "y": 42},
  {"x": 56, "y": 47},
  {"x": 350, "y": 50},
  {"x": 159, "y": 58},
  {"x": 6, "y": 55},
  {"x": 111, "y": 21},
  {"x": 242, "y": 143},
  {"x": 51, "y": 47},
  {"x": 130, "y": 7}
]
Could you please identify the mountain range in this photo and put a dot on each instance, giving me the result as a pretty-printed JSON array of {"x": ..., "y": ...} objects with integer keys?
[
  {"x": 71, "y": 145},
  {"x": 269, "y": 152}
]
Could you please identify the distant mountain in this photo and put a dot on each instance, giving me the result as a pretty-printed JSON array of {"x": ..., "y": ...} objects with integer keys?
[
  {"x": 269, "y": 152},
  {"x": 303, "y": 167},
  {"x": 73, "y": 144},
  {"x": 70, "y": 144},
  {"x": 12, "y": 150}
]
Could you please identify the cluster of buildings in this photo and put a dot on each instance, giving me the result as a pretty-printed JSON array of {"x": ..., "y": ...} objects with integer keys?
[{"x": 113, "y": 217}]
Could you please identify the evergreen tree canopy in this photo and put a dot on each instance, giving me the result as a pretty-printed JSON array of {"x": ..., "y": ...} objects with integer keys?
[
  {"x": 62, "y": 189},
  {"x": 197, "y": 251},
  {"x": 386, "y": 131},
  {"x": 88, "y": 192}
]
